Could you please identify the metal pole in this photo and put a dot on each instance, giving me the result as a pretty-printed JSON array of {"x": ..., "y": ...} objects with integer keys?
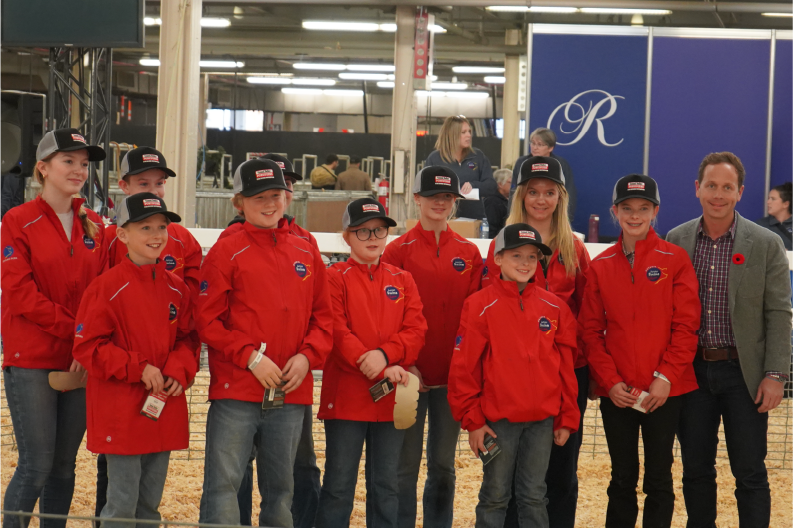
[
  {"x": 647, "y": 103},
  {"x": 51, "y": 117},
  {"x": 92, "y": 109},
  {"x": 529, "y": 50},
  {"x": 770, "y": 127},
  {"x": 365, "y": 113},
  {"x": 107, "y": 92}
]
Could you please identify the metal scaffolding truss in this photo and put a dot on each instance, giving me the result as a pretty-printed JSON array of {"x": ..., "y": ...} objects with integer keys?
[{"x": 80, "y": 97}]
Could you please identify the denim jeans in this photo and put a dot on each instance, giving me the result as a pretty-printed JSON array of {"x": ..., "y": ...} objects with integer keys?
[
  {"x": 525, "y": 450},
  {"x": 722, "y": 394},
  {"x": 306, "y": 477},
  {"x": 562, "y": 475},
  {"x": 49, "y": 427},
  {"x": 231, "y": 428},
  {"x": 134, "y": 490},
  {"x": 621, "y": 426},
  {"x": 442, "y": 438},
  {"x": 344, "y": 443}
]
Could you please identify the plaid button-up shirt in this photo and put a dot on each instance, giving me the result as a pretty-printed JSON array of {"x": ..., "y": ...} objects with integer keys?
[{"x": 712, "y": 260}]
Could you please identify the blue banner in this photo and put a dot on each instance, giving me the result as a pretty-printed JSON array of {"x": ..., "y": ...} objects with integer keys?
[
  {"x": 782, "y": 139},
  {"x": 591, "y": 90}
]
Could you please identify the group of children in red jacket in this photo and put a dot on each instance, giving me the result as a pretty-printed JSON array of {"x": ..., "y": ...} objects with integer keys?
[{"x": 497, "y": 357}]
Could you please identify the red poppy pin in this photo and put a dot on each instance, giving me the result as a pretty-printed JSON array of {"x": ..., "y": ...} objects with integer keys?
[{"x": 738, "y": 259}]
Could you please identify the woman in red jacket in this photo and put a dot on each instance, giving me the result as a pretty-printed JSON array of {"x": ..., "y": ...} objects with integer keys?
[
  {"x": 640, "y": 315},
  {"x": 378, "y": 330},
  {"x": 541, "y": 200},
  {"x": 53, "y": 248},
  {"x": 447, "y": 269}
]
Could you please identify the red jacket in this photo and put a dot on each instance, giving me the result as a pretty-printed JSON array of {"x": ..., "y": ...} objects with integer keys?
[
  {"x": 569, "y": 289},
  {"x": 641, "y": 320},
  {"x": 446, "y": 273},
  {"x": 132, "y": 316},
  {"x": 514, "y": 359},
  {"x": 295, "y": 229},
  {"x": 377, "y": 308},
  {"x": 44, "y": 276},
  {"x": 263, "y": 286}
]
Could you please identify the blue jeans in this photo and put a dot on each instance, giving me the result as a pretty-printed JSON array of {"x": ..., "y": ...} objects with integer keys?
[
  {"x": 49, "y": 427},
  {"x": 722, "y": 394},
  {"x": 134, "y": 491},
  {"x": 442, "y": 438},
  {"x": 231, "y": 428},
  {"x": 525, "y": 450},
  {"x": 306, "y": 477},
  {"x": 344, "y": 444}
]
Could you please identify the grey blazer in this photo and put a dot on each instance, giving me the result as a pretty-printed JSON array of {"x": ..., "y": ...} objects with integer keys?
[{"x": 759, "y": 297}]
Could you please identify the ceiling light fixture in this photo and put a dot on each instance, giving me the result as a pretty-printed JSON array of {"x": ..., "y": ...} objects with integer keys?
[
  {"x": 385, "y": 84},
  {"x": 363, "y": 76},
  {"x": 622, "y": 11},
  {"x": 314, "y": 82},
  {"x": 333, "y": 25},
  {"x": 449, "y": 85},
  {"x": 533, "y": 9},
  {"x": 215, "y": 22},
  {"x": 318, "y": 66},
  {"x": 301, "y": 91},
  {"x": 203, "y": 63},
  {"x": 149, "y": 21},
  {"x": 269, "y": 80},
  {"x": 371, "y": 67},
  {"x": 454, "y": 95},
  {"x": 495, "y": 80},
  {"x": 477, "y": 69},
  {"x": 787, "y": 15}
]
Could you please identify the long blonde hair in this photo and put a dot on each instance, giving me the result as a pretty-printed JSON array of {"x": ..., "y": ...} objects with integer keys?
[
  {"x": 562, "y": 237},
  {"x": 89, "y": 227},
  {"x": 449, "y": 138}
]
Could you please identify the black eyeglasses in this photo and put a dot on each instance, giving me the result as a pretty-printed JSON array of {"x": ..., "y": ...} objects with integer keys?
[{"x": 364, "y": 234}]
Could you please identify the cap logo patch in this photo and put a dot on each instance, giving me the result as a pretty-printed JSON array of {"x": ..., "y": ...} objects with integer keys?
[
  {"x": 545, "y": 324},
  {"x": 172, "y": 312},
  {"x": 78, "y": 137},
  {"x": 89, "y": 242},
  {"x": 635, "y": 186},
  {"x": 537, "y": 167},
  {"x": 443, "y": 180},
  {"x": 170, "y": 262},
  {"x": 527, "y": 234},
  {"x": 151, "y": 202},
  {"x": 656, "y": 274},
  {"x": 204, "y": 287},
  {"x": 151, "y": 158},
  {"x": 392, "y": 292},
  {"x": 280, "y": 164},
  {"x": 264, "y": 173},
  {"x": 371, "y": 208}
]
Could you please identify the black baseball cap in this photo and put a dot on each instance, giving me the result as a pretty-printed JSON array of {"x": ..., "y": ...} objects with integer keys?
[
  {"x": 142, "y": 159},
  {"x": 636, "y": 186},
  {"x": 436, "y": 180},
  {"x": 258, "y": 175},
  {"x": 363, "y": 210},
  {"x": 285, "y": 164},
  {"x": 541, "y": 167},
  {"x": 67, "y": 140},
  {"x": 137, "y": 207},
  {"x": 517, "y": 235}
]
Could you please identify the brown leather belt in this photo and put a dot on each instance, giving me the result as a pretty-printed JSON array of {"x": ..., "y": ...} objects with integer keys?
[{"x": 717, "y": 354}]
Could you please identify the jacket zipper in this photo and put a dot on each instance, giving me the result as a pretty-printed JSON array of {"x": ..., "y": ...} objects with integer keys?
[
  {"x": 275, "y": 240},
  {"x": 520, "y": 301}
]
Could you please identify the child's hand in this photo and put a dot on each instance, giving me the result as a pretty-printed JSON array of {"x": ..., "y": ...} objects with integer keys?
[
  {"x": 413, "y": 370},
  {"x": 173, "y": 387},
  {"x": 295, "y": 372},
  {"x": 560, "y": 436},
  {"x": 78, "y": 367},
  {"x": 372, "y": 363},
  {"x": 620, "y": 396},
  {"x": 152, "y": 378},
  {"x": 267, "y": 372},
  {"x": 397, "y": 374},
  {"x": 476, "y": 439},
  {"x": 659, "y": 392}
]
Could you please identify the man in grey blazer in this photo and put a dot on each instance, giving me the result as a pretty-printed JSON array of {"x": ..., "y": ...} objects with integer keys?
[{"x": 744, "y": 349}]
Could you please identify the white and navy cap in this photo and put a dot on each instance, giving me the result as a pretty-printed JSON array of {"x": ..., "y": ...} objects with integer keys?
[
  {"x": 142, "y": 159},
  {"x": 636, "y": 186},
  {"x": 436, "y": 180},
  {"x": 541, "y": 167},
  {"x": 285, "y": 164},
  {"x": 258, "y": 175},
  {"x": 67, "y": 140},
  {"x": 137, "y": 207},
  {"x": 517, "y": 235},
  {"x": 363, "y": 210}
]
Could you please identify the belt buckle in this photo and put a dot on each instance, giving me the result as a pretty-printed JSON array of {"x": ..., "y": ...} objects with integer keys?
[{"x": 705, "y": 354}]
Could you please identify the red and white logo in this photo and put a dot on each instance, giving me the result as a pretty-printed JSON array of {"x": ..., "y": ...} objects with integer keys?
[
  {"x": 151, "y": 158},
  {"x": 78, "y": 137},
  {"x": 635, "y": 186},
  {"x": 280, "y": 164},
  {"x": 370, "y": 208},
  {"x": 539, "y": 167},
  {"x": 527, "y": 234},
  {"x": 151, "y": 202},
  {"x": 443, "y": 180},
  {"x": 264, "y": 173}
]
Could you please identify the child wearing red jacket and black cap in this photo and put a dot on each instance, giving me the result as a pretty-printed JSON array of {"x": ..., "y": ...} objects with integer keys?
[
  {"x": 378, "y": 331},
  {"x": 265, "y": 313},
  {"x": 134, "y": 335},
  {"x": 640, "y": 315},
  {"x": 512, "y": 377}
]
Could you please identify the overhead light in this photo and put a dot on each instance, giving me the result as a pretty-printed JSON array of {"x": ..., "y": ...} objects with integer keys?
[
  {"x": 455, "y": 95},
  {"x": 495, "y": 80},
  {"x": 363, "y": 76},
  {"x": 238, "y": 12},
  {"x": 302, "y": 91},
  {"x": 318, "y": 66},
  {"x": 149, "y": 62},
  {"x": 371, "y": 67},
  {"x": 220, "y": 64},
  {"x": 343, "y": 93},
  {"x": 477, "y": 69},
  {"x": 269, "y": 80},
  {"x": 333, "y": 25},
  {"x": 215, "y": 22},
  {"x": 637, "y": 20},
  {"x": 389, "y": 28},
  {"x": 435, "y": 28},
  {"x": 385, "y": 84},
  {"x": 149, "y": 21},
  {"x": 533, "y": 9},
  {"x": 622, "y": 11},
  {"x": 788, "y": 15},
  {"x": 449, "y": 86},
  {"x": 314, "y": 82}
]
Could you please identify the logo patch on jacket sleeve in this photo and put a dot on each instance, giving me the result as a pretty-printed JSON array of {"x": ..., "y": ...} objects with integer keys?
[
  {"x": 170, "y": 262},
  {"x": 393, "y": 293},
  {"x": 204, "y": 287},
  {"x": 457, "y": 341},
  {"x": 461, "y": 265},
  {"x": 484, "y": 271},
  {"x": 8, "y": 252},
  {"x": 89, "y": 242},
  {"x": 303, "y": 270},
  {"x": 546, "y": 325},
  {"x": 172, "y": 312},
  {"x": 656, "y": 274},
  {"x": 78, "y": 330}
]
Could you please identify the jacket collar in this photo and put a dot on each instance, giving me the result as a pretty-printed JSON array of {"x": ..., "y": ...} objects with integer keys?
[
  {"x": 429, "y": 236},
  {"x": 642, "y": 246},
  {"x": 267, "y": 237},
  {"x": 46, "y": 208},
  {"x": 510, "y": 288},
  {"x": 146, "y": 272},
  {"x": 364, "y": 268}
]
